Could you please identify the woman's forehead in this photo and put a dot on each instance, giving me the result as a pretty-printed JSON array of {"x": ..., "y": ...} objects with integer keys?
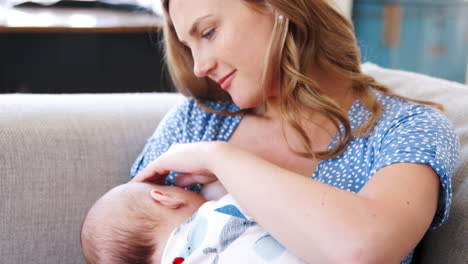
[
  {"x": 184, "y": 13},
  {"x": 184, "y": 8}
]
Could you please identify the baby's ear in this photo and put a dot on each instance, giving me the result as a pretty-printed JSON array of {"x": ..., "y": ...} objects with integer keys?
[{"x": 166, "y": 200}]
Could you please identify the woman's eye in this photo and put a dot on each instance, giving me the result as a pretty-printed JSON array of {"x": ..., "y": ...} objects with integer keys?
[{"x": 209, "y": 34}]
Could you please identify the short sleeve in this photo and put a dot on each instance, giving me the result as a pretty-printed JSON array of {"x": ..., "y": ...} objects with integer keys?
[
  {"x": 187, "y": 123},
  {"x": 169, "y": 131},
  {"x": 424, "y": 136}
]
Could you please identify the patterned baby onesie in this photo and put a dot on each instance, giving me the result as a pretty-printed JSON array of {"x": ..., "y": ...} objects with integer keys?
[{"x": 220, "y": 232}]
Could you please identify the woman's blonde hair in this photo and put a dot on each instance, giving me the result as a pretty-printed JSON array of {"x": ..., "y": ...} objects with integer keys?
[{"x": 306, "y": 33}]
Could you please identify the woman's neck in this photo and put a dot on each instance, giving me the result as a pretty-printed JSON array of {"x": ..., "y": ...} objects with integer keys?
[{"x": 337, "y": 89}]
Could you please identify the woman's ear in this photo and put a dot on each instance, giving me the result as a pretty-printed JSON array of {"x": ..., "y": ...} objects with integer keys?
[{"x": 166, "y": 200}]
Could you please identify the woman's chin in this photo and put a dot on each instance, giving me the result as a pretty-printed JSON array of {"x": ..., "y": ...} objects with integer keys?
[{"x": 246, "y": 102}]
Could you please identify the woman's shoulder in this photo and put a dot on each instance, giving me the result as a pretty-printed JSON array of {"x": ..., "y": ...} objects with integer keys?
[
  {"x": 410, "y": 125},
  {"x": 397, "y": 111},
  {"x": 407, "y": 127},
  {"x": 416, "y": 133},
  {"x": 399, "y": 115}
]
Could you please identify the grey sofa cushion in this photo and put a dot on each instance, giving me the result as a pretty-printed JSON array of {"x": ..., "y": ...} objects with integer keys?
[{"x": 59, "y": 153}]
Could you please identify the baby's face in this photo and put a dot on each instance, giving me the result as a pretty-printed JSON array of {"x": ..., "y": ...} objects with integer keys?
[{"x": 131, "y": 205}]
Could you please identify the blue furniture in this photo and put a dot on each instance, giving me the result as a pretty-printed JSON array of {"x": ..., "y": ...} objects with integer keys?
[{"x": 426, "y": 36}]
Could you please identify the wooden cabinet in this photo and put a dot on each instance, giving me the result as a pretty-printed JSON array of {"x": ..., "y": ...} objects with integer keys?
[{"x": 56, "y": 50}]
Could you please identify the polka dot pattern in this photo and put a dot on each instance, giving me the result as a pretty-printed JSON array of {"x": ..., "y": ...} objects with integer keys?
[
  {"x": 406, "y": 132},
  {"x": 187, "y": 123}
]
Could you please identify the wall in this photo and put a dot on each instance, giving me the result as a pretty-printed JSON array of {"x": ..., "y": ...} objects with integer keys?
[{"x": 346, "y": 6}]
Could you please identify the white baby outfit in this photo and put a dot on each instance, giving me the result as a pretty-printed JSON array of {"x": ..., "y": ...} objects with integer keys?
[{"x": 220, "y": 232}]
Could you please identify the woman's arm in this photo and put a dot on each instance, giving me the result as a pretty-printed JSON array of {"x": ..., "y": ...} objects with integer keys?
[
  {"x": 317, "y": 222},
  {"x": 323, "y": 224}
]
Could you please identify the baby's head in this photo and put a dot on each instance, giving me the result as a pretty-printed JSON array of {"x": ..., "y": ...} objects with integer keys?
[{"x": 132, "y": 222}]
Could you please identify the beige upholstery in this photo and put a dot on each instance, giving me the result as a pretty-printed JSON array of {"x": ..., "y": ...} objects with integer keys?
[{"x": 59, "y": 153}]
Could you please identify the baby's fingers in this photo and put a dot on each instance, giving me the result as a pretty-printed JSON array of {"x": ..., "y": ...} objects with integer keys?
[
  {"x": 150, "y": 175},
  {"x": 185, "y": 180}
]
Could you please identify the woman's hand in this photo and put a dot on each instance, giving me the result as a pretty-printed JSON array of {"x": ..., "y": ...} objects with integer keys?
[{"x": 192, "y": 160}]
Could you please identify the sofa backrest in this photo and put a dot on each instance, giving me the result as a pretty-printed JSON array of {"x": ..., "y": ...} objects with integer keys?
[{"x": 58, "y": 154}]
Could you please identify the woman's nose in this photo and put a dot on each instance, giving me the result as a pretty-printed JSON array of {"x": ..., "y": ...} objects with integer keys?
[{"x": 203, "y": 67}]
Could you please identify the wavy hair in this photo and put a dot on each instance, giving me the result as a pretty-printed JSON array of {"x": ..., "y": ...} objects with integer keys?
[{"x": 306, "y": 33}]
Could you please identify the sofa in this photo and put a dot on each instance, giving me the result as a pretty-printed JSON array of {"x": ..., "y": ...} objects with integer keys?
[{"x": 59, "y": 153}]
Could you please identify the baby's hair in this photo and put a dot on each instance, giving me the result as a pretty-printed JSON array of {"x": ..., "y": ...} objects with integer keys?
[{"x": 128, "y": 238}]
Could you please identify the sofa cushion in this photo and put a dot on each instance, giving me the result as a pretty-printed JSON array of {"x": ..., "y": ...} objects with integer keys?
[{"x": 59, "y": 153}]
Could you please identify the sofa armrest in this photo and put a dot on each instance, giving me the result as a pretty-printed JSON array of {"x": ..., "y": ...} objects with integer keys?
[{"x": 59, "y": 153}]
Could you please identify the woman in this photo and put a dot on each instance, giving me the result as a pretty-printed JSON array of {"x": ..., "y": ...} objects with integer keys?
[{"x": 330, "y": 162}]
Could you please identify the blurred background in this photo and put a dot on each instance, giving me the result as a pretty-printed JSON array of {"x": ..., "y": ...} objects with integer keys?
[
  {"x": 426, "y": 36},
  {"x": 89, "y": 46}
]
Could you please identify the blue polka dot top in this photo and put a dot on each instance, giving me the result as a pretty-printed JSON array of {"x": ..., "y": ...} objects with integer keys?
[{"x": 406, "y": 132}]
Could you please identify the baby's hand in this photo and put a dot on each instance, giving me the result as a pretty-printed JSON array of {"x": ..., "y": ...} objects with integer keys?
[{"x": 213, "y": 191}]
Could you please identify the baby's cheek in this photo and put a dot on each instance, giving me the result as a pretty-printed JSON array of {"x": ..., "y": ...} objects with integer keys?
[{"x": 213, "y": 191}]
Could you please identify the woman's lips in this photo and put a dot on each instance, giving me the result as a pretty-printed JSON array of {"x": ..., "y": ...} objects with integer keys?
[{"x": 225, "y": 82}]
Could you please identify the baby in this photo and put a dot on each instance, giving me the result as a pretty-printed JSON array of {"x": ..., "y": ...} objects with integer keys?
[
  {"x": 147, "y": 223},
  {"x": 127, "y": 226}
]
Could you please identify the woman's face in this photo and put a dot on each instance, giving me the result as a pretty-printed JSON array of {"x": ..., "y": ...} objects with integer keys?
[{"x": 228, "y": 41}]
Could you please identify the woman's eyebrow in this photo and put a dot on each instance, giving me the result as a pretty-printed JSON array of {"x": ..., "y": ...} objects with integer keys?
[{"x": 194, "y": 29}]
